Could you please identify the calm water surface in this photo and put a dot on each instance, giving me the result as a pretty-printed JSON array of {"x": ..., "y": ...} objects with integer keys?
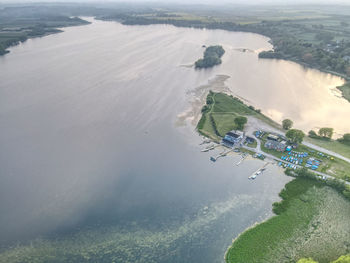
[{"x": 90, "y": 154}]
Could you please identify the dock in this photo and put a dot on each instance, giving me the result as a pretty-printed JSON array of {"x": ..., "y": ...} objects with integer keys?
[
  {"x": 209, "y": 148},
  {"x": 244, "y": 156},
  {"x": 222, "y": 154},
  {"x": 258, "y": 172}
]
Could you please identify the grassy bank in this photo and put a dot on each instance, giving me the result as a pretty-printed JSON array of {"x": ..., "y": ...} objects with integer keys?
[
  {"x": 345, "y": 90},
  {"x": 310, "y": 222},
  {"x": 219, "y": 113},
  {"x": 331, "y": 145}
]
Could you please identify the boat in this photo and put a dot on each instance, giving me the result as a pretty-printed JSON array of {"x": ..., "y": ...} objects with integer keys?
[
  {"x": 252, "y": 177},
  {"x": 212, "y": 159}
]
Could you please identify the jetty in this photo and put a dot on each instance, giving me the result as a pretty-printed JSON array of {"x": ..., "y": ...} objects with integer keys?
[
  {"x": 244, "y": 156},
  {"x": 222, "y": 154},
  {"x": 259, "y": 171}
]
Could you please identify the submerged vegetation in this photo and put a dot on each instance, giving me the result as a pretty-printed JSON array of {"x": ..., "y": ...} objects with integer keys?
[
  {"x": 212, "y": 56},
  {"x": 311, "y": 221}
]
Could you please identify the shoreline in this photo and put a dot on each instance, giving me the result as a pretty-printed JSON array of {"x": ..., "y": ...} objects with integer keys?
[
  {"x": 201, "y": 26},
  {"x": 313, "y": 177}
]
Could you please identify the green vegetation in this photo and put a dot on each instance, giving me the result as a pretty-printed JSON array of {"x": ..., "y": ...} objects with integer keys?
[
  {"x": 309, "y": 222},
  {"x": 345, "y": 139},
  {"x": 314, "y": 36},
  {"x": 295, "y": 136},
  {"x": 253, "y": 144},
  {"x": 342, "y": 259},
  {"x": 287, "y": 124},
  {"x": 335, "y": 183},
  {"x": 345, "y": 89},
  {"x": 337, "y": 146},
  {"x": 326, "y": 132},
  {"x": 212, "y": 56},
  {"x": 306, "y": 260},
  {"x": 240, "y": 121},
  {"x": 17, "y": 24},
  {"x": 220, "y": 114},
  {"x": 330, "y": 165}
]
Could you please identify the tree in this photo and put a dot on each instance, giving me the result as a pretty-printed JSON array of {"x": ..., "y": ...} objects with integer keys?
[
  {"x": 326, "y": 132},
  {"x": 313, "y": 134},
  {"x": 345, "y": 139},
  {"x": 287, "y": 124},
  {"x": 240, "y": 122},
  {"x": 295, "y": 136},
  {"x": 210, "y": 100}
]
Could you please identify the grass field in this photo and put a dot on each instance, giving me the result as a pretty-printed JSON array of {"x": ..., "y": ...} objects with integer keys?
[
  {"x": 311, "y": 221},
  {"x": 334, "y": 146},
  {"x": 222, "y": 112},
  {"x": 345, "y": 89}
]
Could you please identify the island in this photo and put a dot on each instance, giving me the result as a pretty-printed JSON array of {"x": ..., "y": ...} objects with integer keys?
[
  {"x": 317, "y": 198},
  {"x": 212, "y": 56}
]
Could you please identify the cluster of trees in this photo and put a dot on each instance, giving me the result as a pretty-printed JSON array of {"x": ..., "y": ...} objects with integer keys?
[
  {"x": 323, "y": 133},
  {"x": 240, "y": 121},
  {"x": 24, "y": 22},
  {"x": 287, "y": 124},
  {"x": 295, "y": 136},
  {"x": 345, "y": 139},
  {"x": 212, "y": 56}
]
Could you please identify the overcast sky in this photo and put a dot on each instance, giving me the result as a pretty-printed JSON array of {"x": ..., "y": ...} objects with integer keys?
[{"x": 199, "y": 1}]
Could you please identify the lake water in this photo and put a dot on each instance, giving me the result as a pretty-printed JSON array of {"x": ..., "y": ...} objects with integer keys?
[{"x": 93, "y": 163}]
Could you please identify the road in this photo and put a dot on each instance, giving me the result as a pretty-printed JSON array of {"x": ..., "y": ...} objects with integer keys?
[
  {"x": 255, "y": 124},
  {"x": 270, "y": 156},
  {"x": 320, "y": 149}
]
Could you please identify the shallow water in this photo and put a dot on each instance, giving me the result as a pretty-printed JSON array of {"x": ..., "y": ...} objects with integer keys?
[{"x": 89, "y": 141}]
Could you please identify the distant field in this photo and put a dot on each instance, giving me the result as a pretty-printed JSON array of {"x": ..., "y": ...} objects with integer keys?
[{"x": 312, "y": 221}]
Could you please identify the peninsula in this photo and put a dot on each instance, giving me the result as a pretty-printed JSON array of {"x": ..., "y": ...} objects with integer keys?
[{"x": 319, "y": 195}]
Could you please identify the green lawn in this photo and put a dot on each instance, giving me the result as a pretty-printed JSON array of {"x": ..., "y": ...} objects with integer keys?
[
  {"x": 224, "y": 122},
  {"x": 310, "y": 222},
  {"x": 223, "y": 111},
  {"x": 334, "y": 146},
  {"x": 332, "y": 166},
  {"x": 345, "y": 89}
]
